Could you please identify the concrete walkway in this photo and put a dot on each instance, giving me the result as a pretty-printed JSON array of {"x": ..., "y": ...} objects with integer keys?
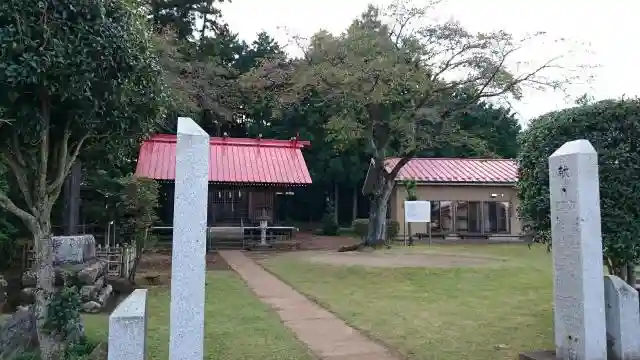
[{"x": 327, "y": 336}]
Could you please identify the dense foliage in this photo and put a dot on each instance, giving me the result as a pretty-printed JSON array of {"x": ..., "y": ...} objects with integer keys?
[
  {"x": 613, "y": 127},
  {"x": 74, "y": 74},
  {"x": 140, "y": 200}
]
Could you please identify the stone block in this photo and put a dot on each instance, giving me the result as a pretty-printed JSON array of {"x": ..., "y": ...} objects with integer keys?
[
  {"x": 74, "y": 249},
  {"x": 91, "y": 292},
  {"x": 104, "y": 295},
  {"x": 623, "y": 319},
  {"x": 91, "y": 272},
  {"x": 91, "y": 307},
  {"x": 18, "y": 332},
  {"x": 128, "y": 328}
]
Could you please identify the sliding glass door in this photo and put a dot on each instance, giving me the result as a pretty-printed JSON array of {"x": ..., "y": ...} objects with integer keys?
[
  {"x": 475, "y": 217},
  {"x": 496, "y": 217},
  {"x": 441, "y": 216},
  {"x": 468, "y": 215}
]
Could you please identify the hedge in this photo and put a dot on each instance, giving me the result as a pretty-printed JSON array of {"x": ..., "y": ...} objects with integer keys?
[{"x": 613, "y": 128}]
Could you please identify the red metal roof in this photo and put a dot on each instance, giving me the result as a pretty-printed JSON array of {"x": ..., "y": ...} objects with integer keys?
[
  {"x": 232, "y": 160},
  {"x": 453, "y": 170}
]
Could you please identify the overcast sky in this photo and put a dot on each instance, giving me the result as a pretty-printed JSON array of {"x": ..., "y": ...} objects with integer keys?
[{"x": 612, "y": 29}]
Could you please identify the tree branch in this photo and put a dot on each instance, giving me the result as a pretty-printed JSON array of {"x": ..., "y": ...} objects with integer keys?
[
  {"x": 62, "y": 155},
  {"x": 399, "y": 165},
  {"x": 44, "y": 145},
  {"x": 16, "y": 149},
  {"x": 11, "y": 207},
  {"x": 66, "y": 161},
  {"x": 21, "y": 179}
]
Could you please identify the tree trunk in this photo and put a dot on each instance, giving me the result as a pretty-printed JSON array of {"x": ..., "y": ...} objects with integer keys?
[
  {"x": 72, "y": 199},
  {"x": 336, "y": 191},
  {"x": 631, "y": 274},
  {"x": 134, "y": 268},
  {"x": 378, "y": 212},
  {"x": 354, "y": 209},
  {"x": 52, "y": 346}
]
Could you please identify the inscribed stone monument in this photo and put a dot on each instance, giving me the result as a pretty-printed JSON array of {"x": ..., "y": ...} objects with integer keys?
[
  {"x": 579, "y": 309},
  {"x": 189, "y": 242},
  {"x": 623, "y": 319}
]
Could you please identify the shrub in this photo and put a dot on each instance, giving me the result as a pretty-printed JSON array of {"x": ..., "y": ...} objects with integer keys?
[
  {"x": 361, "y": 228},
  {"x": 329, "y": 225},
  {"x": 140, "y": 200},
  {"x": 613, "y": 127}
]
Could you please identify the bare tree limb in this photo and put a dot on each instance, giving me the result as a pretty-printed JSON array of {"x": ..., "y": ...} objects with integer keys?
[
  {"x": 65, "y": 165},
  {"x": 62, "y": 155},
  {"x": 21, "y": 179},
  {"x": 44, "y": 145},
  {"x": 11, "y": 207},
  {"x": 391, "y": 175},
  {"x": 16, "y": 149}
]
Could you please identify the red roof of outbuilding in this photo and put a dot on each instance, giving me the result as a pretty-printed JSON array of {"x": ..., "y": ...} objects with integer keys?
[
  {"x": 450, "y": 170},
  {"x": 232, "y": 160}
]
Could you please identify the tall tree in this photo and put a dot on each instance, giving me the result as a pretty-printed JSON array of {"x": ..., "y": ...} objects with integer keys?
[
  {"x": 264, "y": 47},
  {"x": 200, "y": 86},
  {"x": 73, "y": 72},
  {"x": 389, "y": 79},
  {"x": 492, "y": 131},
  {"x": 182, "y": 16}
]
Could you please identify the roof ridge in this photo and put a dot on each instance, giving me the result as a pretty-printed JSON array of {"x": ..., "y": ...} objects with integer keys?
[
  {"x": 234, "y": 141},
  {"x": 455, "y": 158}
]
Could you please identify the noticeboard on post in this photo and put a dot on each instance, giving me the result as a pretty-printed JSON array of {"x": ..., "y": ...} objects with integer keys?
[{"x": 417, "y": 211}]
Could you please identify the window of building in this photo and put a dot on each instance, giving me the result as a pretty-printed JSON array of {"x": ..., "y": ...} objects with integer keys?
[
  {"x": 496, "y": 217},
  {"x": 441, "y": 216},
  {"x": 468, "y": 216}
]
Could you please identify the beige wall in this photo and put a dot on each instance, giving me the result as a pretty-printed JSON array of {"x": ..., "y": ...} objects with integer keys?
[{"x": 434, "y": 192}]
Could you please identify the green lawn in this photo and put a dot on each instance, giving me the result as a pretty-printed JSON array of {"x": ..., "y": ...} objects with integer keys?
[
  {"x": 237, "y": 325},
  {"x": 484, "y": 313}
]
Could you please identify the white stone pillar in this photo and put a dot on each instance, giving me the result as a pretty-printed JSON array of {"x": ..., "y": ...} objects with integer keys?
[
  {"x": 623, "y": 319},
  {"x": 128, "y": 328},
  {"x": 189, "y": 246},
  {"x": 579, "y": 314}
]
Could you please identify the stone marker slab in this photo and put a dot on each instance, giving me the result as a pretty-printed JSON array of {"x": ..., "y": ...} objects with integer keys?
[
  {"x": 74, "y": 249},
  {"x": 579, "y": 310},
  {"x": 128, "y": 328},
  {"x": 186, "y": 340},
  {"x": 623, "y": 319}
]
